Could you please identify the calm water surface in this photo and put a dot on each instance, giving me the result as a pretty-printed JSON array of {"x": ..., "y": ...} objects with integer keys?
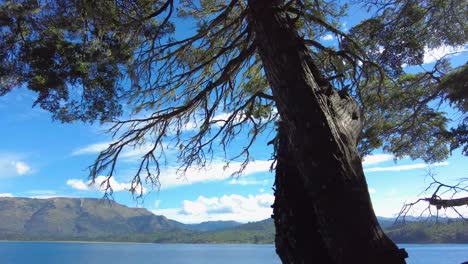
[
  {"x": 436, "y": 253},
  {"x": 123, "y": 253},
  {"x": 115, "y": 253}
]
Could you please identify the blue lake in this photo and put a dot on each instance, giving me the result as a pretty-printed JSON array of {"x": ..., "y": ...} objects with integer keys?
[{"x": 94, "y": 253}]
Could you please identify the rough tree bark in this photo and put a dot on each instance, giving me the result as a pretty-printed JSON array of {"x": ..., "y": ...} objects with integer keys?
[{"x": 322, "y": 210}]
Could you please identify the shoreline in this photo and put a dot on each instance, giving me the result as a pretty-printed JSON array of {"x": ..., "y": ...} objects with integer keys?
[
  {"x": 74, "y": 241},
  {"x": 182, "y": 243},
  {"x": 142, "y": 243}
]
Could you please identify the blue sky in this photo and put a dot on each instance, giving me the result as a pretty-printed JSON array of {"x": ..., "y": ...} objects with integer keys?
[{"x": 41, "y": 159}]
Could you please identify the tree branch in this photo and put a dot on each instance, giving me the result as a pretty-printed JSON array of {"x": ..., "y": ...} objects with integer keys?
[{"x": 445, "y": 203}]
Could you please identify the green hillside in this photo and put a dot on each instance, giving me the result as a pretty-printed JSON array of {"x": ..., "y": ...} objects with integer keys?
[
  {"x": 262, "y": 232},
  {"x": 211, "y": 225},
  {"x": 430, "y": 232}
]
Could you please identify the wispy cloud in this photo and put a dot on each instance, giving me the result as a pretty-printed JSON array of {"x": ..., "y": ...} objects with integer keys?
[
  {"x": 405, "y": 167},
  {"x": 370, "y": 161},
  {"x": 81, "y": 185},
  {"x": 133, "y": 154},
  {"x": 128, "y": 154},
  {"x": 37, "y": 194},
  {"x": 432, "y": 55},
  {"x": 216, "y": 171},
  {"x": 248, "y": 182},
  {"x": 227, "y": 207},
  {"x": 91, "y": 149},
  {"x": 43, "y": 194}
]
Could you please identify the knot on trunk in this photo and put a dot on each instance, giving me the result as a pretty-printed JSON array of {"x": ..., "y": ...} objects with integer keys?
[{"x": 347, "y": 115}]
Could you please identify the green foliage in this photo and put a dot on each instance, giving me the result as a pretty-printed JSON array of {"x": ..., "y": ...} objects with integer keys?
[
  {"x": 455, "y": 84},
  {"x": 73, "y": 54},
  {"x": 402, "y": 110},
  {"x": 401, "y": 30},
  {"x": 262, "y": 232},
  {"x": 459, "y": 136},
  {"x": 400, "y": 118},
  {"x": 430, "y": 232}
]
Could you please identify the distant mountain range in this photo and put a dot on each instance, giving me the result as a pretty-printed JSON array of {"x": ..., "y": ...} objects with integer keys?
[
  {"x": 89, "y": 219},
  {"x": 57, "y": 218}
]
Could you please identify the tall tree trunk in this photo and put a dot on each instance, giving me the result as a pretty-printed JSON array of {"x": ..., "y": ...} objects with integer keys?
[
  {"x": 322, "y": 211},
  {"x": 297, "y": 232}
]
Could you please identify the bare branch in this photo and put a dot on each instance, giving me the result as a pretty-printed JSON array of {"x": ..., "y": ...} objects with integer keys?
[{"x": 438, "y": 189}]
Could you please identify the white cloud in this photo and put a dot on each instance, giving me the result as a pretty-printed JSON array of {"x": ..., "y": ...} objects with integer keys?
[
  {"x": 189, "y": 126},
  {"x": 405, "y": 167},
  {"x": 171, "y": 177},
  {"x": 78, "y": 185},
  {"x": 377, "y": 158},
  {"x": 221, "y": 118},
  {"x": 87, "y": 186},
  {"x": 216, "y": 171},
  {"x": 6, "y": 195},
  {"x": 372, "y": 190},
  {"x": 248, "y": 182},
  {"x": 228, "y": 207},
  {"x": 13, "y": 164},
  {"x": 91, "y": 149},
  {"x": 327, "y": 37},
  {"x": 21, "y": 167},
  {"x": 432, "y": 55}
]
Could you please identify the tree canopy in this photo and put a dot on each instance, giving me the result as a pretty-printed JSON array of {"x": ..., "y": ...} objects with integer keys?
[{"x": 90, "y": 60}]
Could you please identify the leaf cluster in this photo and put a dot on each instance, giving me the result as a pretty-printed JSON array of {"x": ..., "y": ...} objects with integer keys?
[{"x": 72, "y": 53}]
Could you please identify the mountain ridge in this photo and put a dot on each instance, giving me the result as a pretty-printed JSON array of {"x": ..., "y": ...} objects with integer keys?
[
  {"x": 91, "y": 219},
  {"x": 75, "y": 217}
]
